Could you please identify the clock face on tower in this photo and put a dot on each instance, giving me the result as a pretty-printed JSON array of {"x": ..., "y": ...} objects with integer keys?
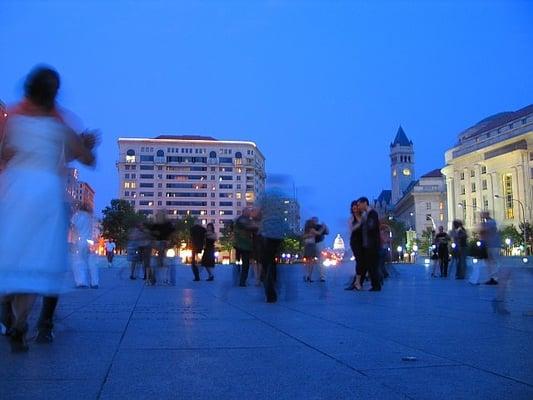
[{"x": 406, "y": 171}]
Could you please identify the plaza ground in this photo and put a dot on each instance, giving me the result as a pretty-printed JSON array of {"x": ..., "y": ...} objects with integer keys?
[{"x": 213, "y": 340}]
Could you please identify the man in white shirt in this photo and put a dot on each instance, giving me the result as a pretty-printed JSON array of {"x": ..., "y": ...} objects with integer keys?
[{"x": 110, "y": 252}]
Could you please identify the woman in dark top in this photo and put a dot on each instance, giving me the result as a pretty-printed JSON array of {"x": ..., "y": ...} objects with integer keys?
[
  {"x": 208, "y": 258},
  {"x": 356, "y": 243}
]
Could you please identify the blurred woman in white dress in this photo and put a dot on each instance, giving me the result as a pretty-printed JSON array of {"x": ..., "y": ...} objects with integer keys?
[{"x": 34, "y": 213}]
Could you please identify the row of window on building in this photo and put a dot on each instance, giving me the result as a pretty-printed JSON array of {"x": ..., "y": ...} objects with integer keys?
[
  {"x": 190, "y": 150},
  {"x": 248, "y": 196},
  {"x": 473, "y": 173}
]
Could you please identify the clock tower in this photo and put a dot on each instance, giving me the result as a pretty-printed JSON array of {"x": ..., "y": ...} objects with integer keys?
[{"x": 402, "y": 158}]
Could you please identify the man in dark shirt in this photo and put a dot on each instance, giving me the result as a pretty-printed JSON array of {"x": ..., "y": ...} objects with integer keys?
[
  {"x": 371, "y": 242},
  {"x": 441, "y": 241},
  {"x": 161, "y": 231},
  {"x": 198, "y": 233}
]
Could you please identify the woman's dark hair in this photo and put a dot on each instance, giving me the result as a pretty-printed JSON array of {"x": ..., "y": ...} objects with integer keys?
[
  {"x": 210, "y": 225},
  {"x": 354, "y": 203},
  {"x": 41, "y": 87},
  {"x": 308, "y": 225}
]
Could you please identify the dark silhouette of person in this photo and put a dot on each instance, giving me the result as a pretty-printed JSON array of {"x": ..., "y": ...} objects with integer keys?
[{"x": 198, "y": 234}]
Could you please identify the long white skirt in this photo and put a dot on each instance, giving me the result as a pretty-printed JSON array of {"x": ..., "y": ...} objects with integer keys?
[{"x": 33, "y": 232}]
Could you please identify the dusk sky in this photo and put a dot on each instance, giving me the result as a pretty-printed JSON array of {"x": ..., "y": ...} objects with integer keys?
[{"x": 320, "y": 86}]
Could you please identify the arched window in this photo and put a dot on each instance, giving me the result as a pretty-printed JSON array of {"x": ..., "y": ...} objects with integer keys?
[
  {"x": 160, "y": 153},
  {"x": 238, "y": 154},
  {"x": 130, "y": 156},
  {"x": 213, "y": 154}
]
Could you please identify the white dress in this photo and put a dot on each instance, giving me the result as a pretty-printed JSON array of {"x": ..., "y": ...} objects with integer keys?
[{"x": 33, "y": 208}]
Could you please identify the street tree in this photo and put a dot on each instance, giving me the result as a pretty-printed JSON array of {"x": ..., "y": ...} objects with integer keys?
[{"x": 118, "y": 218}]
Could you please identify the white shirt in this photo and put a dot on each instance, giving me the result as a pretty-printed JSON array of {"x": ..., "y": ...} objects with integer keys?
[{"x": 110, "y": 246}]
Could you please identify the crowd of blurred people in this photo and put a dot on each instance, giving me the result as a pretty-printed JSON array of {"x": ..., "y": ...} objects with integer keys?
[{"x": 35, "y": 147}]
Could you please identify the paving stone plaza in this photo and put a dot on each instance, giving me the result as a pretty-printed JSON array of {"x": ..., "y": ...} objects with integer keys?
[{"x": 420, "y": 338}]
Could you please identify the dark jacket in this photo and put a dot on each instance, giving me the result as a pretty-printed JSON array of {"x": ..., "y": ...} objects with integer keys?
[
  {"x": 371, "y": 238},
  {"x": 197, "y": 238}
]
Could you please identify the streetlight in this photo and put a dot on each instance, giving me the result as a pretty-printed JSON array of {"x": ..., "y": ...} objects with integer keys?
[
  {"x": 508, "y": 243},
  {"x": 523, "y": 215},
  {"x": 399, "y": 249}
]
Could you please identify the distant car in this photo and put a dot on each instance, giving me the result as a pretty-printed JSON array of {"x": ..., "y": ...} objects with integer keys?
[{"x": 332, "y": 257}]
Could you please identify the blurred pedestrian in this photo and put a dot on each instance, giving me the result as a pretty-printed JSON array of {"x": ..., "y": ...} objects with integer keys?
[
  {"x": 490, "y": 237},
  {"x": 85, "y": 272},
  {"x": 322, "y": 232},
  {"x": 208, "y": 258},
  {"x": 371, "y": 242},
  {"x": 161, "y": 231},
  {"x": 442, "y": 241},
  {"x": 136, "y": 240},
  {"x": 198, "y": 236},
  {"x": 257, "y": 249},
  {"x": 244, "y": 228},
  {"x": 460, "y": 238},
  {"x": 273, "y": 229},
  {"x": 110, "y": 247},
  {"x": 33, "y": 239},
  {"x": 356, "y": 243},
  {"x": 311, "y": 255}
]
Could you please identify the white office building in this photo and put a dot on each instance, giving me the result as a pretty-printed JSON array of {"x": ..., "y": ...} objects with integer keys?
[{"x": 210, "y": 179}]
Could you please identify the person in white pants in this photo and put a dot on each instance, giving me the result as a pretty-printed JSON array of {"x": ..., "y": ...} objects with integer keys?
[{"x": 85, "y": 273}]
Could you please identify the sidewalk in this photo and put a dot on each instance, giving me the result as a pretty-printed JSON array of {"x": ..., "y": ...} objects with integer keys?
[{"x": 212, "y": 340}]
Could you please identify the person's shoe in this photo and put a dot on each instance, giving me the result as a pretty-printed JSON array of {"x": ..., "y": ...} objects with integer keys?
[
  {"x": 132, "y": 277},
  {"x": 322, "y": 280},
  {"x": 18, "y": 342},
  {"x": 44, "y": 336},
  {"x": 273, "y": 300},
  {"x": 242, "y": 284},
  {"x": 196, "y": 280},
  {"x": 350, "y": 288},
  {"x": 375, "y": 290},
  {"x": 491, "y": 281},
  {"x": 94, "y": 286},
  {"x": 358, "y": 286},
  {"x": 211, "y": 278}
]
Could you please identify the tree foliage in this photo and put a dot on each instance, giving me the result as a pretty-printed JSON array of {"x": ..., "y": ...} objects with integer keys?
[
  {"x": 425, "y": 241},
  {"x": 398, "y": 230},
  {"x": 225, "y": 240},
  {"x": 182, "y": 231},
  {"x": 292, "y": 244},
  {"x": 510, "y": 232},
  {"x": 119, "y": 218}
]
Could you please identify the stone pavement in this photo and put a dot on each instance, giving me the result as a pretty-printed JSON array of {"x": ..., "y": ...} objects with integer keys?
[{"x": 201, "y": 340}]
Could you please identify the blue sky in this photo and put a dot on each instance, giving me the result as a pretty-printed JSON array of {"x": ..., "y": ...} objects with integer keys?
[{"x": 320, "y": 86}]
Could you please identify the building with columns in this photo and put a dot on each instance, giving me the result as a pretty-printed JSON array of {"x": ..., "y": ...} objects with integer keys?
[{"x": 491, "y": 168}]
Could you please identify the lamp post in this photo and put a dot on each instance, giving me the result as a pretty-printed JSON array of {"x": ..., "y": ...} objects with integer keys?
[{"x": 523, "y": 215}]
